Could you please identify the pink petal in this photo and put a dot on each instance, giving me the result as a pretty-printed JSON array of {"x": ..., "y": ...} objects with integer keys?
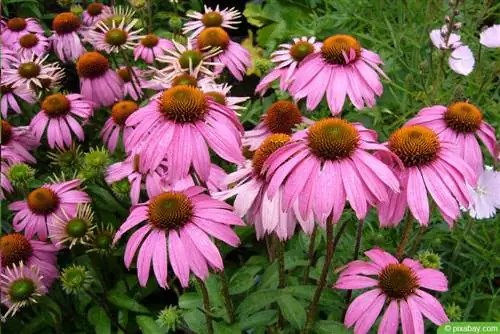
[
  {"x": 359, "y": 305},
  {"x": 390, "y": 321}
]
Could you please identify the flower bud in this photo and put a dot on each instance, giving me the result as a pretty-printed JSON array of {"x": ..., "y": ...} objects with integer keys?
[
  {"x": 175, "y": 22},
  {"x": 429, "y": 259},
  {"x": 75, "y": 279},
  {"x": 21, "y": 175},
  {"x": 453, "y": 311},
  {"x": 169, "y": 318}
]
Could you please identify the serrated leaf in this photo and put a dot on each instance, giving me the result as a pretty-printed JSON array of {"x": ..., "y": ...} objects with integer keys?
[
  {"x": 123, "y": 301},
  {"x": 98, "y": 318},
  {"x": 259, "y": 319},
  {"x": 257, "y": 301},
  {"x": 190, "y": 300},
  {"x": 243, "y": 279},
  {"x": 292, "y": 310},
  {"x": 148, "y": 325}
]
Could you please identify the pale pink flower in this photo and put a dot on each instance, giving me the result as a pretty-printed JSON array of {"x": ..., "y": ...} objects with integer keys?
[
  {"x": 397, "y": 285},
  {"x": 461, "y": 59},
  {"x": 44, "y": 204},
  {"x": 150, "y": 47},
  {"x": 115, "y": 124},
  {"x": 32, "y": 44},
  {"x": 287, "y": 60},
  {"x": 94, "y": 13},
  {"x": 174, "y": 228},
  {"x": 115, "y": 38},
  {"x": 490, "y": 37},
  {"x": 220, "y": 93},
  {"x": 69, "y": 230},
  {"x": 438, "y": 39},
  {"x": 65, "y": 39},
  {"x": 226, "y": 18},
  {"x": 460, "y": 123},
  {"x": 485, "y": 195},
  {"x": 9, "y": 95},
  {"x": 16, "y": 142},
  {"x": 17, "y": 27},
  {"x": 31, "y": 72}
]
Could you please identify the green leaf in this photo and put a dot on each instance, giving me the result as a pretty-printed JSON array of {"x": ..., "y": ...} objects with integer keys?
[
  {"x": 97, "y": 317},
  {"x": 122, "y": 319},
  {"x": 294, "y": 259},
  {"x": 104, "y": 200},
  {"x": 293, "y": 311},
  {"x": 269, "y": 280},
  {"x": 243, "y": 280},
  {"x": 257, "y": 300},
  {"x": 330, "y": 326},
  {"x": 220, "y": 328},
  {"x": 148, "y": 325},
  {"x": 259, "y": 319},
  {"x": 195, "y": 319},
  {"x": 123, "y": 301},
  {"x": 190, "y": 300}
]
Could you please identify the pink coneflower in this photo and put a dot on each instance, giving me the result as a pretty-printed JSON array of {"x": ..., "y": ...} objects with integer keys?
[
  {"x": 16, "y": 142},
  {"x": 15, "y": 248},
  {"x": 485, "y": 195},
  {"x": 8, "y": 56},
  {"x": 98, "y": 82},
  {"x": 28, "y": 72},
  {"x": 424, "y": 164},
  {"x": 461, "y": 59},
  {"x": 252, "y": 198},
  {"x": 20, "y": 287},
  {"x": 220, "y": 93},
  {"x": 32, "y": 44},
  {"x": 18, "y": 26},
  {"x": 65, "y": 40},
  {"x": 132, "y": 169},
  {"x": 232, "y": 55},
  {"x": 288, "y": 59},
  {"x": 281, "y": 117},
  {"x": 151, "y": 47},
  {"x": 132, "y": 83},
  {"x": 490, "y": 37},
  {"x": 44, "y": 204},
  {"x": 9, "y": 95},
  {"x": 460, "y": 123},
  {"x": 94, "y": 13},
  {"x": 226, "y": 18},
  {"x": 5, "y": 185},
  {"x": 57, "y": 115},
  {"x": 110, "y": 132},
  {"x": 115, "y": 38},
  {"x": 73, "y": 229},
  {"x": 341, "y": 68},
  {"x": 399, "y": 285},
  {"x": 326, "y": 165},
  {"x": 180, "y": 125},
  {"x": 180, "y": 220}
]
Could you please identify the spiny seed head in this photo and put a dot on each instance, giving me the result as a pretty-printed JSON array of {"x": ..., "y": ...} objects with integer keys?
[
  {"x": 454, "y": 312},
  {"x": 76, "y": 279},
  {"x": 429, "y": 259},
  {"x": 121, "y": 188},
  {"x": 184, "y": 104},
  {"x": 14, "y": 248},
  {"x": 21, "y": 174},
  {"x": 96, "y": 158},
  {"x": 336, "y": 46},
  {"x": 122, "y": 110},
  {"x": 212, "y": 19},
  {"x": 398, "y": 281},
  {"x": 270, "y": 145},
  {"x": 65, "y": 23},
  {"x": 6, "y": 132},
  {"x": 56, "y": 105},
  {"x": 184, "y": 79},
  {"x": 170, "y": 210},
  {"x": 333, "y": 139},
  {"x": 92, "y": 65},
  {"x": 43, "y": 201},
  {"x": 116, "y": 37},
  {"x": 282, "y": 116},
  {"x": 190, "y": 59},
  {"x": 463, "y": 117},
  {"x": 16, "y": 24},
  {"x": 169, "y": 318},
  {"x": 76, "y": 228},
  {"x": 301, "y": 50},
  {"x": 415, "y": 145},
  {"x": 22, "y": 289},
  {"x": 150, "y": 41},
  {"x": 29, "y": 70},
  {"x": 213, "y": 37},
  {"x": 95, "y": 9},
  {"x": 28, "y": 40}
]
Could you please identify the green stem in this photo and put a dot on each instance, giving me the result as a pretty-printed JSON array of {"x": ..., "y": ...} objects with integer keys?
[
  {"x": 228, "y": 304},
  {"x": 331, "y": 246},
  {"x": 310, "y": 254},
  {"x": 405, "y": 236},
  {"x": 359, "y": 237},
  {"x": 206, "y": 306}
]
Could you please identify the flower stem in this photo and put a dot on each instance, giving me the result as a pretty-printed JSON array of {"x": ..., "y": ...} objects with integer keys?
[
  {"x": 331, "y": 246},
  {"x": 417, "y": 241},
  {"x": 359, "y": 237},
  {"x": 106, "y": 309},
  {"x": 310, "y": 254},
  {"x": 228, "y": 303},
  {"x": 134, "y": 75},
  {"x": 405, "y": 236},
  {"x": 280, "y": 256},
  {"x": 206, "y": 306},
  {"x": 150, "y": 16}
]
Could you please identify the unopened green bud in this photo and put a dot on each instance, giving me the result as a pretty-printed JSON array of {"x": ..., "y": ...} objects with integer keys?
[
  {"x": 75, "y": 279},
  {"x": 263, "y": 65},
  {"x": 454, "y": 312},
  {"x": 429, "y": 259},
  {"x": 21, "y": 175},
  {"x": 169, "y": 318},
  {"x": 175, "y": 22}
]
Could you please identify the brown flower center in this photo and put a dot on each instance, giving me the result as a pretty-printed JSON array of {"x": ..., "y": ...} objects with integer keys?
[
  {"x": 270, "y": 145},
  {"x": 333, "y": 139},
  {"x": 29, "y": 70},
  {"x": 184, "y": 79},
  {"x": 212, "y": 19},
  {"x": 218, "y": 97},
  {"x": 301, "y": 50},
  {"x": 184, "y": 104},
  {"x": 94, "y": 9},
  {"x": 398, "y": 281},
  {"x": 190, "y": 59},
  {"x": 415, "y": 145},
  {"x": 16, "y": 24},
  {"x": 124, "y": 74},
  {"x": 91, "y": 65},
  {"x": 335, "y": 47},
  {"x": 213, "y": 37},
  {"x": 170, "y": 210},
  {"x": 65, "y": 23},
  {"x": 282, "y": 117},
  {"x": 116, "y": 37},
  {"x": 6, "y": 132},
  {"x": 28, "y": 40},
  {"x": 43, "y": 201},
  {"x": 463, "y": 117},
  {"x": 56, "y": 105},
  {"x": 122, "y": 110},
  {"x": 150, "y": 41},
  {"x": 14, "y": 248}
]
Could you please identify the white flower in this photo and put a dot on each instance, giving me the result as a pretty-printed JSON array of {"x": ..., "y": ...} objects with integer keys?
[
  {"x": 486, "y": 195},
  {"x": 490, "y": 37},
  {"x": 461, "y": 59}
]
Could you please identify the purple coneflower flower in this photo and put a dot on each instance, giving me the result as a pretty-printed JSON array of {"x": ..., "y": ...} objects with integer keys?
[
  {"x": 226, "y": 18},
  {"x": 65, "y": 40},
  {"x": 220, "y": 93},
  {"x": 17, "y": 142},
  {"x": 133, "y": 83},
  {"x": 73, "y": 229},
  {"x": 32, "y": 44},
  {"x": 115, "y": 38},
  {"x": 151, "y": 47},
  {"x": 5, "y": 185},
  {"x": 110, "y": 132},
  {"x": 17, "y": 27},
  {"x": 9, "y": 95},
  {"x": 29, "y": 72},
  {"x": 94, "y": 13}
]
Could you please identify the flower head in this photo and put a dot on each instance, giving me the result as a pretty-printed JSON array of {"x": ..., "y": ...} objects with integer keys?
[
  {"x": 485, "y": 195},
  {"x": 180, "y": 220},
  {"x": 16, "y": 142},
  {"x": 102, "y": 240},
  {"x": 220, "y": 93},
  {"x": 133, "y": 82},
  {"x": 73, "y": 229},
  {"x": 76, "y": 279},
  {"x": 115, "y": 125},
  {"x": 29, "y": 72},
  {"x": 65, "y": 39},
  {"x": 399, "y": 285},
  {"x": 226, "y": 18},
  {"x": 32, "y": 44},
  {"x": 150, "y": 47},
  {"x": 94, "y": 13},
  {"x": 9, "y": 95},
  {"x": 115, "y": 37},
  {"x": 490, "y": 37},
  {"x": 169, "y": 318},
  {"x": 18, "y": 26},
  {"x": 21, "y": 175}
]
